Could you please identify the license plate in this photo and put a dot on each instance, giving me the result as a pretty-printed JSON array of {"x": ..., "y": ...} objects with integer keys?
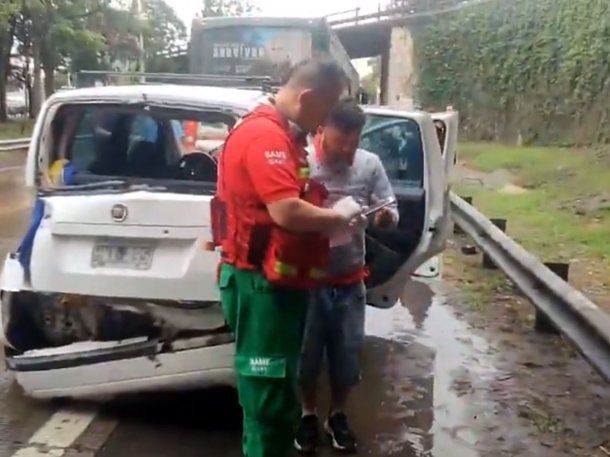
[{"x": 122, "y": 256}]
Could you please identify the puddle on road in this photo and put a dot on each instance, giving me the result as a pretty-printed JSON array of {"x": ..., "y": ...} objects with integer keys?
[
  {"x": 418, "y": 396},
  {"x": 422, "y": 366}
]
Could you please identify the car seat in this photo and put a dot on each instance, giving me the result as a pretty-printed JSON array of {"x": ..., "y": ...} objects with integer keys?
[{"x": 146, "y": 160}]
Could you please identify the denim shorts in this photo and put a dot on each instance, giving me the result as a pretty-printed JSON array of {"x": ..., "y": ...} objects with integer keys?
[{"x": 335, "y": 329}]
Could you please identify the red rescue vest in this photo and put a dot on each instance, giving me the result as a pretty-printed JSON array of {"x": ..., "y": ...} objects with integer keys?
[{"x": 251, "y": 239}]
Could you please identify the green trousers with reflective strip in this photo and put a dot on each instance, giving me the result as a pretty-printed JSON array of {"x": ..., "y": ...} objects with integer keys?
[{"x": 268, "y": 326}]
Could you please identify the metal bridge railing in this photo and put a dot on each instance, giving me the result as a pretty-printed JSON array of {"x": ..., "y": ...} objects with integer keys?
[{"x": 354, "y": 17}]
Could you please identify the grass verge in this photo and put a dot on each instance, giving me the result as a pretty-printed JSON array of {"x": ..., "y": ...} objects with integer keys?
[
  {"x": 16, "y": 129},
  {"x": 556, "y": 201}
]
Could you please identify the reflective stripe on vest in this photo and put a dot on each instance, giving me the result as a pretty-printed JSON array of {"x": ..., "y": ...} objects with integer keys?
[
  {"x": 316, "y": 273},
  {"x": 285, "y": 269}
]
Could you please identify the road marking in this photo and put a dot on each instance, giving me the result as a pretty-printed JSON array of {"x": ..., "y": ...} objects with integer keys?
[
  {"x": 55, "y": 437},
  {"x": 16, "y": 167}
]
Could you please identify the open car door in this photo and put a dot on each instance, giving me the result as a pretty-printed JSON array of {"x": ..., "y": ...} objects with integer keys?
[
  {"x": 408, "y": 146},
  {"x": 446, "y": 124}
]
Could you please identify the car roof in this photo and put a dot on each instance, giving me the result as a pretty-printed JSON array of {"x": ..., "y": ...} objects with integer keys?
[
  {"x": 221, "y": 97},
  {"x": 390, "y": 111}
]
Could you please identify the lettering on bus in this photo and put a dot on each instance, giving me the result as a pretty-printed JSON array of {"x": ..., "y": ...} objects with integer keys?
[{"x": 237, "y": 51}]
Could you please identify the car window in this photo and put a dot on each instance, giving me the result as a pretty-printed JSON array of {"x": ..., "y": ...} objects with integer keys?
[
  {"x": 397, "y": 141},
  {"x": 143, "y": 143},
  {"x": 441, "y": 133}
]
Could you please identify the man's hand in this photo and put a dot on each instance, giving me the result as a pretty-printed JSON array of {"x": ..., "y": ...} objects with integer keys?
[
  {"x": 358, "y": 223},
  {"x": 384, "y": 219}
]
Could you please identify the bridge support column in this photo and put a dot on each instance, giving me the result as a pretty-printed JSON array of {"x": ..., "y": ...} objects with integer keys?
[{"x": 398, "y": 69}]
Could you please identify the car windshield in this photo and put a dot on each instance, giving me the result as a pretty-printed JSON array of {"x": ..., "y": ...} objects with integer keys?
[{"x": 140, "y": 144}]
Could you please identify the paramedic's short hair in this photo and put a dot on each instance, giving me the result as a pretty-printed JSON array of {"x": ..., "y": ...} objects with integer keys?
[
  {"x": 347, "y": 116},
  {"x": 316, "y": 74}
]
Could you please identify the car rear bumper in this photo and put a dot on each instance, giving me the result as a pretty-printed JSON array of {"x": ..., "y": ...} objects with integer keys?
[{"x": 123, "y": 369}]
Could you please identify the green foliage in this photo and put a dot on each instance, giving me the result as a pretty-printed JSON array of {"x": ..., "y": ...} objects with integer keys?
[
  {"x": 96, "y": 35},
  {"x": 164, "y": 32},
  {"x": 15, "y": 129},
  {"x": 423, "y": 5},
  {"x": 531, "y": 69},
  {"x": 7, "y": 9},
  {"x": 56, "y": 30},
  {"x": 120, "y": 27},
  {"x": 212, "y": 8}
]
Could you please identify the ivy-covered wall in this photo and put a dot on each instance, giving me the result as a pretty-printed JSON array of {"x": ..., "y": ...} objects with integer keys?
[{"x": 538, "y": 70}]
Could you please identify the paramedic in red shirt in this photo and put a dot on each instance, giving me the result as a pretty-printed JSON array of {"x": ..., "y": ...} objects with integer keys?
[{"x": 273, "y": 249}]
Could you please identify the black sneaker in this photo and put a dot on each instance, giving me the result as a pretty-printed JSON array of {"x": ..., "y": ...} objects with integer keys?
[
  {"x": 341, "y": 437},
  {"x": 308, "y": 435}
]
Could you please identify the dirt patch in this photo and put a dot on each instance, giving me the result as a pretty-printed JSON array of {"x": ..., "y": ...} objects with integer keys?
[
  {"x": 513, "y": 189},
  {"x": 545, "y": 386},
  {"x": 495, "y": 180},
  {"x": 591, "y": 205}
]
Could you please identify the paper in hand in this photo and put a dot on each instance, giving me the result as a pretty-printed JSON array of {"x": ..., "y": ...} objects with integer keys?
[{"x": 349, "y": 208}]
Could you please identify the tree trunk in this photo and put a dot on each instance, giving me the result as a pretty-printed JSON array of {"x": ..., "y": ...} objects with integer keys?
[
  {"x": 3, "y": 108},
  {"x": 29, "y": 94},
  {"x": 6, "y": 44},
  {"x": 49, "y": 81},
  {"x": 49, "y": 64},
  {"x": 37, "y": 89}
]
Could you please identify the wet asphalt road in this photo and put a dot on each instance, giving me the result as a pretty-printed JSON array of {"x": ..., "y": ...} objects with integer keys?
[{"x": 412, "y": 402}]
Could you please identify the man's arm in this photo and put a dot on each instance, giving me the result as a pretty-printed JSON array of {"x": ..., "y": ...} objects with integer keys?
[
  {"x": 274, "y": 178},
  {"x": 381, "y": 189},
  {"x": 300, "y": 216}
]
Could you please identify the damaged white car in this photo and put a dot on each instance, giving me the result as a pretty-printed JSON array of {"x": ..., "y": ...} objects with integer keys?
[{"x": 113, "y": 288}]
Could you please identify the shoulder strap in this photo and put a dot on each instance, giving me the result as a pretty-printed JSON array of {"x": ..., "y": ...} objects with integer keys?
[{"x": 220, "y": 179}]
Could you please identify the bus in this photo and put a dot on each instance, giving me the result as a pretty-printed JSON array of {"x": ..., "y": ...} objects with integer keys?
[{"x": 255, "y": 46}]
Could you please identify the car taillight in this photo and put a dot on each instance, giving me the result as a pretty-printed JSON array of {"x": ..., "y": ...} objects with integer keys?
[{"x": 218, "y": 213}]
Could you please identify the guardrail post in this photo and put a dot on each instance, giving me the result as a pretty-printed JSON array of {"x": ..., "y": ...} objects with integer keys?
[
  {"x": 542, "y": 323},
  {"x": 487, "y": 262},
  {"x": 456, "y": 228}
]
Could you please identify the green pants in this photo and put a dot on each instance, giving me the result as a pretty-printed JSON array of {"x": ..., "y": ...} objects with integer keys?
[{"x": 268, "y": 326}]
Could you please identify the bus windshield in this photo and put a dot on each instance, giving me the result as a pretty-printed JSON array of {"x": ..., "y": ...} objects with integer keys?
[{"x": 250, "y": 50}]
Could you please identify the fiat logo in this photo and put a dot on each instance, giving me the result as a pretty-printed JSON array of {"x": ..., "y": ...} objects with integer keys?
[{"x": 119, "y": 213}]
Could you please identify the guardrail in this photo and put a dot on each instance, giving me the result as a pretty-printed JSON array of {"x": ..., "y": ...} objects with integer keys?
[
  {"x": 574, "y": 315},
  {"x": 14, "y": 145}
]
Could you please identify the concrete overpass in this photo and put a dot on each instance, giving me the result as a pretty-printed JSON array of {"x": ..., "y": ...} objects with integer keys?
[{"x": 387, "y": 33}]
